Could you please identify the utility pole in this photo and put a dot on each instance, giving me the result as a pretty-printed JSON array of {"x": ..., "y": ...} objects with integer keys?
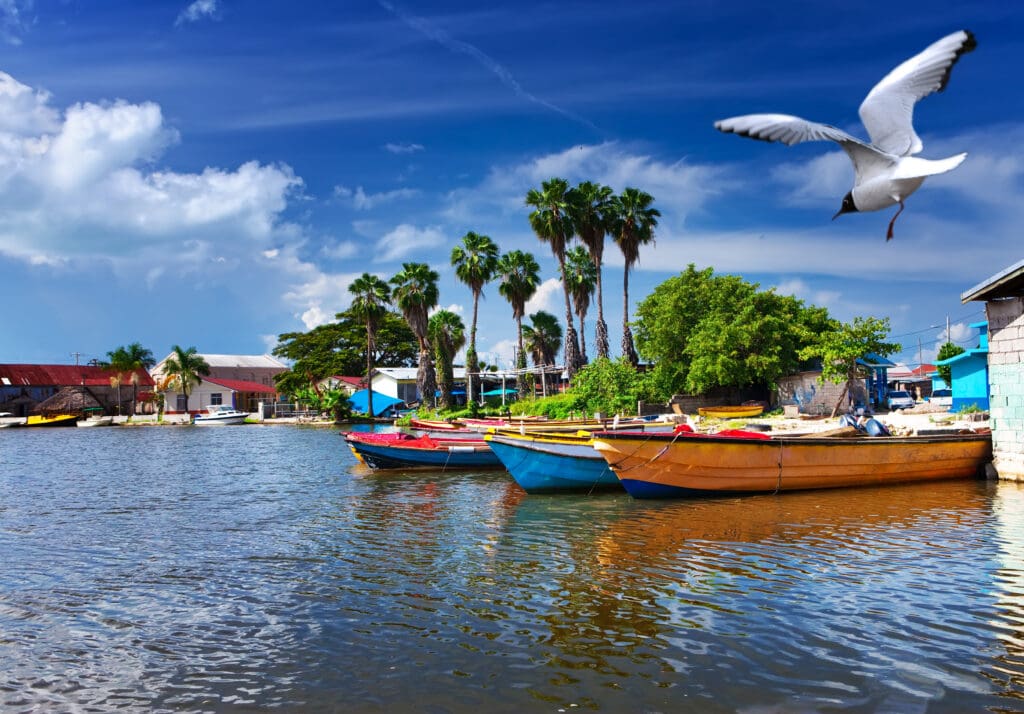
[{"x": 76, "y": 355}]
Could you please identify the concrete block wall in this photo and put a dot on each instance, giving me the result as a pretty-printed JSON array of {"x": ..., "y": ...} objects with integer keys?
[
  {"x": 815, "y": 397},
  {"x": 1006, "y": 378}
]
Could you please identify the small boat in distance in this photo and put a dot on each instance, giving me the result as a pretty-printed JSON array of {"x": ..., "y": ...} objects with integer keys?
[
  {"x": 221, "y": 415},
  {"x": 95, "y": 420},
  {"x": 687, "y": 464},
  {"x": 737, "y": 412},
  {"x": 55, "y": 420}
]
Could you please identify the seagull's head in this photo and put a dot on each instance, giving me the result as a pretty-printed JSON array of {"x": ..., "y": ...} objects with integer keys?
[{"x": 848, "y": 206}]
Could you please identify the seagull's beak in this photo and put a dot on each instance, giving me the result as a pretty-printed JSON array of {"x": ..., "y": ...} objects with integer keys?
[{"x": 838, "y": 213}]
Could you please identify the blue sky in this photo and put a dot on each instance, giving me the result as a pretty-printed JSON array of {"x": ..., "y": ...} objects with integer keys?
[{"x": 216, "y": 173}]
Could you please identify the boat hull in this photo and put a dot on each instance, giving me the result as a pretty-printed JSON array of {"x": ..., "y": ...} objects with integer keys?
[
  {"x": 550, "y": 466},
  {"x": 405, "y": 454},
  {"x": 657, "y": 466},
  {"x": 95, "y": 421},
  {"x": 739, "y": 412},
  {"x": 58, "y": 420}
]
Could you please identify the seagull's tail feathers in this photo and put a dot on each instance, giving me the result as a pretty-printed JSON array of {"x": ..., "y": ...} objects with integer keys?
[{"x": 913, "y": 167}]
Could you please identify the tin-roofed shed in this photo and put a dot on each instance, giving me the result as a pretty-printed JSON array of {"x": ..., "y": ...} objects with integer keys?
[{"x": 1003, "y": 295}]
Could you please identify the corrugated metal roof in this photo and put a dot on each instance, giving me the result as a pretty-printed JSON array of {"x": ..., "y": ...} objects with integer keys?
[
  {"x": 62, "y": 375},
  {"x": 1006, "y": 283},
  {"x": 241, "y": 385}
]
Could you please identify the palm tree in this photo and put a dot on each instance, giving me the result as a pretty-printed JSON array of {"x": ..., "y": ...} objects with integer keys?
[
  {"x": 542, "y": 338},
  {"x": 414, "y": 289},
  {"x": 474, "y": 261},
  {"x": 186, "y": 366},
  {"x": 129, "y": 359},
  {"x": 519, "y": 274},
  {"x": 632, "y": 225},
  {"x": 589, "y": 206},
  {"x": 448, "y": 335},
  {"x": 551, "y": 221},
  {"x": 369, "y": 303},
  {"x": 581, "y": 277}
]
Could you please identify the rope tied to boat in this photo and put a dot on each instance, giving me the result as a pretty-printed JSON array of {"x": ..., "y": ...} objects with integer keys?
[{"x": 661, "y": 452}]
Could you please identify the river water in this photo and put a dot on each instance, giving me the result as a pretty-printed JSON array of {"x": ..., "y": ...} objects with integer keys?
[{"x": 254, "y": 568}]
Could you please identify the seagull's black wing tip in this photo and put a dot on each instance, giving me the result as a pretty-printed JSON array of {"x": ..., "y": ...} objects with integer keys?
[
  {"x": 740, "y": 132},
  {"x": 969, "y": 45}
]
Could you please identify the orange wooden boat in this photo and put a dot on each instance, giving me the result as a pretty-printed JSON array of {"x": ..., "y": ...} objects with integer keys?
[{"x": 664, "y": 465}]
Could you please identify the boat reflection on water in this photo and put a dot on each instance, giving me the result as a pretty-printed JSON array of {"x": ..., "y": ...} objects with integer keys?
[{"x": 803, "y": 598}]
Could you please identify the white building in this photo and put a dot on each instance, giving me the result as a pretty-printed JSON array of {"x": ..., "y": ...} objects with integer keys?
[{"x": 241, "y": 381}]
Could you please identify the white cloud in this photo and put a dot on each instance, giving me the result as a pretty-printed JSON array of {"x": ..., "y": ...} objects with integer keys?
[
  {"x": 403, "y": 148},
  {"x": 363, "y": 201},
  {"x": 339, "y": 250},
  {"x": 406, "y": 239},
  {"x": 198, "y": 10},
  {"x": 824, "y": 179},
  {"x": 548, "y": 298}
]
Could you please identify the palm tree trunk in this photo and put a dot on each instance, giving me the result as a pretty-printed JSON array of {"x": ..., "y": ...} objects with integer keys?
[
  {"x": 572, "y": 348},
  {"x": 601, "y": 329},
  {"x": 369, "y": 372},
  {"x": 583, "y": 343},
  {"x": 628, "y": 350},
  {"x": 471, "y": 359}
]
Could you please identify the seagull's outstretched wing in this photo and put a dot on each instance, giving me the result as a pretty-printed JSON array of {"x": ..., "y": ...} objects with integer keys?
[
  {"x": 867, "y": 160},
  {"x": 782, "y": 127},
  {"x": 888, "y": 110}
]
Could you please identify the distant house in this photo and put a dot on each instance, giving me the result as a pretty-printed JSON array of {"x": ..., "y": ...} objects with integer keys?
[
  {"x": 1003, "y": 295},
  {"x": 349, "y": 385},
  {"x": 812, "y": 396},
  {"x": 23, "y": 386},
  {"x": 970, "y": 373},
  {"x": 241, "y": 381},
  {"x": 400, "y": 382}
]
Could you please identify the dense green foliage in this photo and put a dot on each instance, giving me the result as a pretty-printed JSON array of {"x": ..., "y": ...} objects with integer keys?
[
  {"x": 703, "y": 331},
  {"x": 448, "y": 335},
  {"x": 610, "y": 387},
  {"x": 948, "y": 350},
  {"x": 559, "y": 406}
]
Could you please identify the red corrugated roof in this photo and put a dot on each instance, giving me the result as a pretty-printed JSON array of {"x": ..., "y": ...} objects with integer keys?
[
  {"x": 241, "y": 385},
  {"x": 354, "y": 381},
  {"x": 62, "y": 375}
]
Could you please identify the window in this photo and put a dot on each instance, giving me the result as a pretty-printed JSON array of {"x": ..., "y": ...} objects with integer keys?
[
  {"x": 182, "y": 404},
  {"x": 216, "y": 399}
]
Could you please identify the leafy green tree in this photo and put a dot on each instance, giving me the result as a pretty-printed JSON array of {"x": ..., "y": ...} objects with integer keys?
[
  {"x": 609, "y": 386},
  {"x": 590, "y": 208},
  {"x": 448, "y": 335},
  {"x": 414, "y": 289},
  {"x": 542, "y": 338},
  {"x": 475, "y": 261},
  {"x": 519, "y": 276},
  {"x": 339, "y": 348},
  {"x": 370, "y": 297},
  {"x": 704, "y": 331},
  {"x": 187, "y": 367},
  {"x": 632, "y": 223},
  {"x": 840, "y": 347},
  {"x": 581, "y": 277},
  {"x": 552, "y": 222},
  {"x": 948, "y": 349}
]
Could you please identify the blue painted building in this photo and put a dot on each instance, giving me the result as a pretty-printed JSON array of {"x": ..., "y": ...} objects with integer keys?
[{"x": 970, "y": 373}]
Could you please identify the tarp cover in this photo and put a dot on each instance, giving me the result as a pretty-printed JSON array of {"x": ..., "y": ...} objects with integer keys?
[{"x": 381, "y": 402}]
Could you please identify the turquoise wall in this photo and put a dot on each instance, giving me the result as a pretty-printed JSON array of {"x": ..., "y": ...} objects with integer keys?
[{"x": 970, "y": 382}]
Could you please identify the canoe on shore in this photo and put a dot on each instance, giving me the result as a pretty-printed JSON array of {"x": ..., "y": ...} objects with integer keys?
[
  {"x": 663, "y": 465},
  {"x": 737, "y": 412}
]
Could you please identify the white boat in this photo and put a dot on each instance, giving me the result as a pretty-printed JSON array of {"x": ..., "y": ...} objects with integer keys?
[
  {"x": 219, "y": 415},
  {"x": 97, "y": 420}
]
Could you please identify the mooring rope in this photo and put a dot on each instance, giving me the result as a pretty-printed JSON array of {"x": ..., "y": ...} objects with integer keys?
[{"x": 661, "y": 452}]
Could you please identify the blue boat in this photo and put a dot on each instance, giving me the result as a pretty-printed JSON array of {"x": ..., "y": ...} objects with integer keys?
[
  {"x": 422, "y": 452},
  {"x": 552, "y": 463}
]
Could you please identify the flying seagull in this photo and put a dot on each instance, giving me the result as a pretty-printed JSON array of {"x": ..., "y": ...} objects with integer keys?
[{"x": 886, "y": 169}]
